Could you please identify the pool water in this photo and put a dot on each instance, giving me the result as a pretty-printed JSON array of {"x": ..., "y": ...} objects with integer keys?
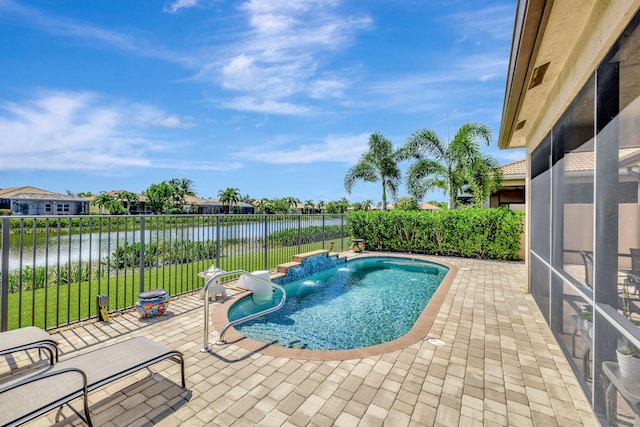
[{"x": 364, "y": 302}]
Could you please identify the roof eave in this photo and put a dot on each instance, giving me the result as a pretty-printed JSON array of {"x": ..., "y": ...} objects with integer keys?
[{"x": 530, "y": 22}]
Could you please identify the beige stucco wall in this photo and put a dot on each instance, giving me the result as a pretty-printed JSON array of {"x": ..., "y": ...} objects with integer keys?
[
  {"x": 578, "y": 231},
  {"x": 606, "y": 21}
]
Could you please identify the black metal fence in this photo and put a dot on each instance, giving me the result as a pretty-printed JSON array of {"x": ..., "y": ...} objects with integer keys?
[{"x": 52, "y": 268}]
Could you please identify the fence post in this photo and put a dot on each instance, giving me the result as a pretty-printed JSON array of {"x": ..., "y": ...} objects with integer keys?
[
  {"x": 142, "y": 241},
  {"x": 266, "y": 243},
  {"x": 342, "y": 233},
  {"x": 4, "y": 289},
  {"x": 324, "y": 237},
  {"x": 299, "y": 229},
  {"x": 218, "y": 241}
]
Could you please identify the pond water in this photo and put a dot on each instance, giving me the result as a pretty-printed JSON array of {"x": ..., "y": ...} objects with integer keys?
[{"x": 41, "y": 249}]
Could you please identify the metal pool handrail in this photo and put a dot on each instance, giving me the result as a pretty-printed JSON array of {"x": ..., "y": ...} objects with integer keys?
[{"x": 216, "y": 280}]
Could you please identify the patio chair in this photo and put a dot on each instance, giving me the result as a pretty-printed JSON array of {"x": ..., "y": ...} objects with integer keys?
[
  {"x": 31, "y": 395},
  {"x": 587, "y": 259},
  {"x": 633, "y": 275},
  {"x": 30, "y": 337}
]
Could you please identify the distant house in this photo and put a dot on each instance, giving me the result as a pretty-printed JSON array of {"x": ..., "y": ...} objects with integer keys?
[
  {"x": 512, "y": 193},
  {"x": 214, "y": 206},
  {"x": 428, "y": 207},
  {"x": 139, "y": 208},
  {"x": 196, "y": 205},
  {"x": 240, "y": 208},
  {"x": 35, "y": 201}
]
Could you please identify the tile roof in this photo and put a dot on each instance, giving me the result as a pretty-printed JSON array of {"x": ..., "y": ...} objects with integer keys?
[
  {"x": 429, "y": 207},
  {"x": 33, "y": 193},
  {"x": 515, "y": 168},
  {"x": 9, "y": 192},
  {"x": 576, "y": 161}
]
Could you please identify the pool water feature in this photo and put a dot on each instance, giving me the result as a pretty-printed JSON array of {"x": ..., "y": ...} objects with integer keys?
[
  {"x": 360, "y": 303},
  {"x": 309, "y": 266}
]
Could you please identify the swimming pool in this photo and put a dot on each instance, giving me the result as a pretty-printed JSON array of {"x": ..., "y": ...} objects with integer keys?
[{"x": 362, "y": 303}]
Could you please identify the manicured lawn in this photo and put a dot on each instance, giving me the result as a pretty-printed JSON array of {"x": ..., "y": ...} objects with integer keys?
[{"x": 57, "y": 306}]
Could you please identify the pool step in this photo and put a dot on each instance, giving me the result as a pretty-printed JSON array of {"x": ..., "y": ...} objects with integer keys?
[
  {"x": 304, "y": 341},
  {"x": 301, "y": 257},
  {"x": 283, "y": 268}
]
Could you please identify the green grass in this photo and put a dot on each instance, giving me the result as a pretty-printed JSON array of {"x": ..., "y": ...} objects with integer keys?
[{"x": 77, "y": 302}]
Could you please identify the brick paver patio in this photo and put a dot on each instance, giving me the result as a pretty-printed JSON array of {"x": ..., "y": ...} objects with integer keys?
[{"x": 499, "y": 365}]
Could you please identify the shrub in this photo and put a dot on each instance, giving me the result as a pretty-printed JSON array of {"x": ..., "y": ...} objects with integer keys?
[
  {"x": 406, "y": 204},
  {"x": 31, "y": 278},
  {"x": 470, "y": 233}
]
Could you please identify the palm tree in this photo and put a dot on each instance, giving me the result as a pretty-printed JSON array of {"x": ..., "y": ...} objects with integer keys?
[
  {"x": 486, "y": 179},
  {"x": 366, "y": 205},
  {"x": 264, "y": 206},
  {"x": 106, "y": 201},
  {"x": 182, "y": 187},
  {"x": 185, "y": 186},
  {"x": 451, "y": 166},
  {"x": 127, "y": 199},
  {"x": 230, "y": 196},
  {"x": 247, "y": 199},
  {"x": 293, "y": 202},
  {"x": 379, "y": 164},
  {"x": 343, "y": 204},
  {"x": 281, "y": 206},
  {"x": 320, "y": 206},
  {"x": 308, "y": 206}
]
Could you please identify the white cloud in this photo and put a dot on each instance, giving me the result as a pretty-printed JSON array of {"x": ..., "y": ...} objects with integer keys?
[
  {"x": 240, "y": 72},
  {"x": 490, "y": 23},
  {"x": 262, "y": 123},
  {"x": 284, "y": 52},
  {"x": 196, "y": 165},
  {"x": 432, "y": 88},
  {"x": 146, "y": 115},
  {"x": 270, "y": 6},
  {"x": 82, "y": 131},
  {"x": 180, "y": 4},
  {"x": 340, "y": 149},
  {"x": 327, "y": 88},
  {"x": 266, "y": 106}
]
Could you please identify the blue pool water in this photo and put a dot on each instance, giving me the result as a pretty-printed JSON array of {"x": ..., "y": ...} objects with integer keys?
[{"x": 361, "y": 303}]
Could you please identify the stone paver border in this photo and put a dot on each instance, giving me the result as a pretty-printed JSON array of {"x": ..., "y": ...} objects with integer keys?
[{"x": 418, "y": 332}]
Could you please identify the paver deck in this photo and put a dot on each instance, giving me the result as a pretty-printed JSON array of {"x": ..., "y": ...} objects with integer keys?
[{"x": 499, "y": 365}]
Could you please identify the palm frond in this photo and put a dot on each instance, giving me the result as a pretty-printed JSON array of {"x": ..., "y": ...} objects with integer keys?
[{"x": 424, "y": 143}]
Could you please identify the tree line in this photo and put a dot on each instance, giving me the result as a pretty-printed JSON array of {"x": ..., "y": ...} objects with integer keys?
[{"x": 170, "y": 197}]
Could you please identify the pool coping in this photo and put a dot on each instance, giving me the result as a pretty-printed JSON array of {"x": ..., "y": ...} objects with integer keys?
[{"x": 419, "y": 331}]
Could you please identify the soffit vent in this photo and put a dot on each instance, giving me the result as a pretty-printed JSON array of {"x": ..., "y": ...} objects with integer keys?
[
  {"x": 520, "y": 124},
  {"x": 538, "y": 75}
]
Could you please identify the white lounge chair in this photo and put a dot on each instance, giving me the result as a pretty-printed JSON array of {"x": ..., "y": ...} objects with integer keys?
[
  {"x": 31, "y": 395},
  {"x": 30, "y": 337}
]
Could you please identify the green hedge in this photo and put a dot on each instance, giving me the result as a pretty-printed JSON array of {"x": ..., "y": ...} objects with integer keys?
[{"x": 470, "y": 233}]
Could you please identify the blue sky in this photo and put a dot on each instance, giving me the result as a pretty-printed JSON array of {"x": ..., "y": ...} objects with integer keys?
[{"x": 276, "y": 98}]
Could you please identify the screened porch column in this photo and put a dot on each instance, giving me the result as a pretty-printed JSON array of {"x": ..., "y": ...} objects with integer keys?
[{"x": 606, "y": 216}]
